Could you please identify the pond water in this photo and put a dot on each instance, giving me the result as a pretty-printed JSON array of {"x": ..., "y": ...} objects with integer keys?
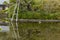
[
  {"x": 34, "y": 31},
  {"x": 4, "y": 28},
  {"x": 42, "y": 31}
]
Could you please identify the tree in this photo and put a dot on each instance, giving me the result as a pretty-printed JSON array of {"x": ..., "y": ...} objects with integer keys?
[
  {"x": 12, "y": 1},
  {"x": 5, "y": 2},
  {"x": 44, "y": 7}
]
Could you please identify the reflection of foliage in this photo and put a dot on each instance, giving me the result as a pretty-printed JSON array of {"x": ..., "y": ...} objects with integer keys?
[{"x": 34, "y": 31}]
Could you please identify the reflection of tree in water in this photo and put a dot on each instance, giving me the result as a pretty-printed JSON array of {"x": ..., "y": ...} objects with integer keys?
[{"x": 34, "y": 31}]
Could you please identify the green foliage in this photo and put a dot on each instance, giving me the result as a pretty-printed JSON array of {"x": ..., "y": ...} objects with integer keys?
[
  {"x": 2, "y": 11},
  {"x": 12, "y": 1},
  {"x": 35, "y": 9},
  {"x": 51, "y": 6},
  {"x": 5, "y": 3}
]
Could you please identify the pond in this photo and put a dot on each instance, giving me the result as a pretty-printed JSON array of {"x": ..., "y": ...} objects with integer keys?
[
  {"x": 42, "y": 31},
  {"x": 34, "y": 31},
  {"x": 4, "y": 28}
]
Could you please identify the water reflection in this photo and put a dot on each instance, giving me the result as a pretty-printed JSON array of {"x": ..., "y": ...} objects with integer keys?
[
  {"x": 4, "y": 28},
  {"x": 33, "y": 31}
]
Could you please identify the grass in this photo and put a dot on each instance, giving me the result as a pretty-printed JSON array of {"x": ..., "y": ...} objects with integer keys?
[{"x": 39, "y": 15}]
